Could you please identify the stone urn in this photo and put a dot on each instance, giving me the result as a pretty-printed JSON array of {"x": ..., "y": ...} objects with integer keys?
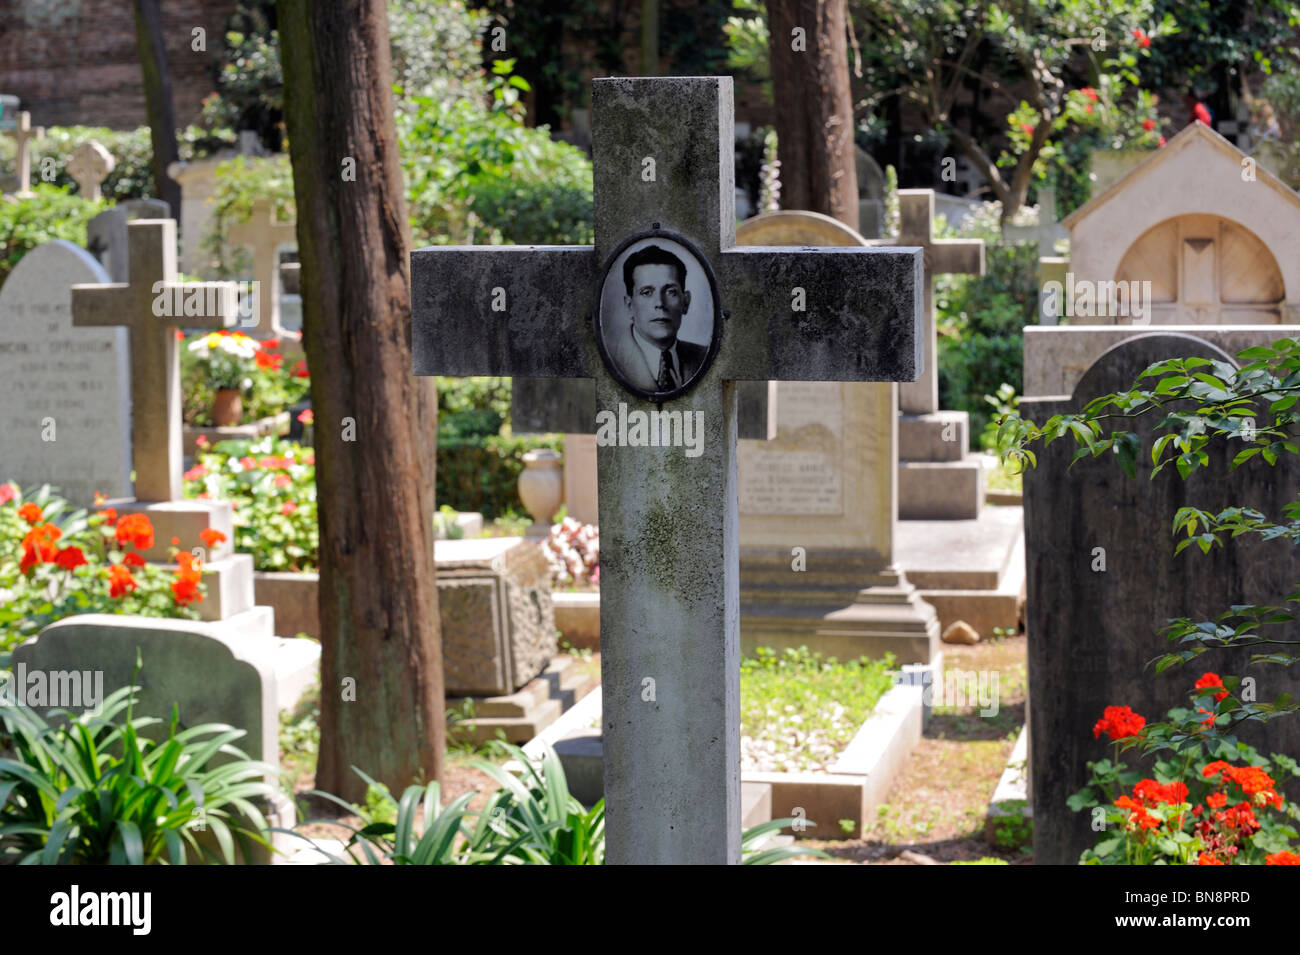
[
  {"x": 227, "y": 407},
  {"x": 541, "y": 488}
]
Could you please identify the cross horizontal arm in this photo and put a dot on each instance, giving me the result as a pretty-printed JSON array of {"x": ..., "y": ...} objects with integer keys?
[
  {"x": 822, "y": 314},
  {"x": 101, "y": 305},
  {"x": 956, "y": 257},
  {"x": 504, "y": 310}
]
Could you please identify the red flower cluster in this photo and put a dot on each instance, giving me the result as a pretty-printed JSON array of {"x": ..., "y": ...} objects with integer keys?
[
  {"x": 70, "y": 558},
  {"x": 31, "y": 513},
  {"x": 135, "y": 529},
  {"x": 1144, "y": 41},
  {"x": 185, "y": 588},
  {"x": 39, "y": 546},
  {"x": 1119, "y": 722},
  {"x": 1148, "y": 124},
  {"x": 195, "y": 473},
  {"x": 7, "y": 493},
  {"x": 1209, "y": 680},
  {"x": 300, "y": 370},
  {"x": 1282, "y": 858},
  {"x": 267, "y": 360},
  {"x": 1089, "y": 92},
  {"x": 120, "y": 581},
  {"x": 211, "y": 537}
]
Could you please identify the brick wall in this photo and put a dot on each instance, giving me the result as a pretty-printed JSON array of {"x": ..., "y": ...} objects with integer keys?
[{"x": 75, "y": 61}]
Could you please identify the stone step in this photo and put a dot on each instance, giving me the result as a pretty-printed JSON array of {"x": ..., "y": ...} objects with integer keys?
[
  {"x": 755, "y": 805},
  {"x": 517, "y": 729},
  {"x": 948, "y": 490},
  {"x": 939, "y": 436}
]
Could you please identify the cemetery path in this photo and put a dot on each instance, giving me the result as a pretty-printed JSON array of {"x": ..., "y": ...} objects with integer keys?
[{"x": 937, "y": 807}]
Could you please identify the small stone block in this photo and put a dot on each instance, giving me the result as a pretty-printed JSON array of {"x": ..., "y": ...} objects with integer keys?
[{"x": 961, "y": 632}]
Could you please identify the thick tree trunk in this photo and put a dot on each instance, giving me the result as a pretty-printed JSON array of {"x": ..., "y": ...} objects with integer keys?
[
  {"x": 375, "y": 424},
  {"x": 814, "y": 116},
  {"x": 158, "y": 99}
]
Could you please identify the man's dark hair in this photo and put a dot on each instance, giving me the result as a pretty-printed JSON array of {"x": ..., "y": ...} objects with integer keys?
[{"x": 652, "y": 255}]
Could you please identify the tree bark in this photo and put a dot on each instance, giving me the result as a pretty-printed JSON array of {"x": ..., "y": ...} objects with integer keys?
[
  {"x": 158, "y": 100},
  {"x": 375, "y": 423},
  {"x": 814, "y": 116}
]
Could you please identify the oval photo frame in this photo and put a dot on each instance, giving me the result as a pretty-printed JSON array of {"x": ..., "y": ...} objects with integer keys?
[{"x": 628, "y": 356}]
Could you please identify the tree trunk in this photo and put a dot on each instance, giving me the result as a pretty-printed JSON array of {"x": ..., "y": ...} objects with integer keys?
[
  {"x": 158, "y": 99},
  {"x": 814, "y": 118},
  {"x": 376, "y": 424}
]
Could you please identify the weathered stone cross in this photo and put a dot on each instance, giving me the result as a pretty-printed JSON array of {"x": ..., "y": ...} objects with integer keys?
[
  {"x": 89, "y": 166},
  {"x": 942, "y": 256},
  {"x": 263, "y": 235},
  {"x": 23, "y": 133},
  {"x": 153, "y": 305},
  {"x": 663, "y": 154}
]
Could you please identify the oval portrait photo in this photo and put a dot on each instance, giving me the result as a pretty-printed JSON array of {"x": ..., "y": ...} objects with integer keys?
[{"x": 657, "y": 320}]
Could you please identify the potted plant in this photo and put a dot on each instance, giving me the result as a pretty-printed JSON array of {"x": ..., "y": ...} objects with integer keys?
[{"x": 225, "y": 358}]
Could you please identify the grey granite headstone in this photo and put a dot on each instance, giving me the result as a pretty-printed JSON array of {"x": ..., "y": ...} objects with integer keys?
[
  {"x": 64, "y": 391},
  {"x": 663, "y": 158},
  {"x": 106, "y": 233},
  {"x": 1093, "y": 632}
]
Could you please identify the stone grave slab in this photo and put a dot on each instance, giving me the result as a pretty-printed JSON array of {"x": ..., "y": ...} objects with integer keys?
[{"x": 106, "y": 237}]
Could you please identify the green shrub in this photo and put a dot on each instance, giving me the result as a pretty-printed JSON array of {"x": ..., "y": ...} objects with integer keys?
[
  {"x": 132, "y": 150},
  {"x": 51, "y": 213},
  {"x": 981, "y": 323},
  {"x": 239, "y": 182},
  {"x": 481, "y": 473},
  {"x": 91, "y": 791}
]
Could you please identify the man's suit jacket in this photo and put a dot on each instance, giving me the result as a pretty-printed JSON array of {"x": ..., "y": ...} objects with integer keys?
[{"x": 631, "y": 360}]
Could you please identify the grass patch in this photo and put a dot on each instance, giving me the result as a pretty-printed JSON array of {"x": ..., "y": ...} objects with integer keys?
[{"x": 799, "y": 710}]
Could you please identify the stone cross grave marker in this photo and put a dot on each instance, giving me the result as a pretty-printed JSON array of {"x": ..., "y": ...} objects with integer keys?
[
  {"x": 1046, "y": 232},
  {"x": 89, "y": 166},
  {"x": 23, "y": 134},
  {"x": 152, "y": 306},
  {"x": 666, "y": 276},
  {"x": 106, "y": 233},
  {"x": 263, "y": 235},
  {"x": 942, "y": 257}
]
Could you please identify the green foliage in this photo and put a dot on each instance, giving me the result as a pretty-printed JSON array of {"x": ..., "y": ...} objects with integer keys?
[
  {"x": 51, "y": 213},
  {"x": 435, "y": 48},
  {"x": 1004, "y": 402},
  {"x": 250, "y": 86},
  {"x": 809, "y": 705},
  {"x": 46, "y": 591},
  {"x": 272, "y": 485},
  {"x": 531, "y": 819},
  {"x": 91, "y": 790},
  {"x": 481, "y": 473},
  {"x": 987, "y": 860},
  {"x": 132, "y": 150},
  {"x": 1013, "y": 831},
  {"x": 980, "y": 323},
  {"x": 477, "y": 175},
  {"x": 239, "y": 182}
]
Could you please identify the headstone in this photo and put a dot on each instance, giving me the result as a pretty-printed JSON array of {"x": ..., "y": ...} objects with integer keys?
[
  {"x": 198, "y": 182},
  {"x": 23, "y": 133},
  {"x": 1103, "y": 581},
  {"x": 871, "y": 195},
  {"x": 939, "y": 479},
  {"x": 1046, "y": 231},
  {"x": 65, "y": 391},
  {"x": 152, "y": 305},
  {"x": 212, "y": 675},
  {"x": 89, "y": 167},
  {"x": 825, "y": 484},
  {"x": 264, "y": 236},
  {"x": 106, "y": 233},
  {"x": 669, "y": 550},
  {"x": 498, "y": 625}
]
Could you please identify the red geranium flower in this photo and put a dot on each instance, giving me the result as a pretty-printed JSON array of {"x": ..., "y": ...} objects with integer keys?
[
  {"x": 70, "y": 558},
  {"x": 307, "y": 416},
  {"x": 39, "y": 546},
  {"x": 120, "y": 580},
  {"x": 288, "y": 508},
  {"x": 1148, "y": 124},
  {"x": 1208, "y": 680},
  {"x": 135, "y": 529},
  {"x": 211, "y": 537},
  {"x": 1119, "y": 722},
  {"x": 195, "y": 473},
  {"x": 1216, "y": 800},
  {"x": 1144, "y": 41},
  {"x": 1282, "y": 858},
  {"x": 300, "y": 370},
  {"x": 133, "y": 559},
  {"x": 185, "y": 588},
  {"x": 31, "y": 513},
  {"x": 283, "y": 480},
  {"x": 1209, "y": 858},
  {"x": 1089, "y": 92},
  {"x": 7, "y": 493}
]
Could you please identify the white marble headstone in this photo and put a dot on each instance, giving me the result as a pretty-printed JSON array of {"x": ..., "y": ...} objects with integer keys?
[{"x": 64, "y": 392}]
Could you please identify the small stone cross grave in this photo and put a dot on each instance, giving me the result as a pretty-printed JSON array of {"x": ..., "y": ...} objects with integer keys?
[
  {"x": 23, "y": 133},
  {"x": 263, "y": 235},
  {"x": 666, "y": 313},
  {"x": 942, "y": 257},
  {"x": 89, "y": 166},
  {"x": 153, "y": 305}
]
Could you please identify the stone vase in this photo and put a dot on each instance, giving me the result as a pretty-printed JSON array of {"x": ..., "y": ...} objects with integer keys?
[
  {"x": 541, "y": 488},
  {"x": 227, "y": 408}
]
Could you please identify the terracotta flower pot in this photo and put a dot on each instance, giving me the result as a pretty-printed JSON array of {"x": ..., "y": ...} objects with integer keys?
[{"x": 227, "y": 407}]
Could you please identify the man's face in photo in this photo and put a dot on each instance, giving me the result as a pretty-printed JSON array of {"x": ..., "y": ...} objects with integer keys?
[{"x": 657, "y": 304}]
